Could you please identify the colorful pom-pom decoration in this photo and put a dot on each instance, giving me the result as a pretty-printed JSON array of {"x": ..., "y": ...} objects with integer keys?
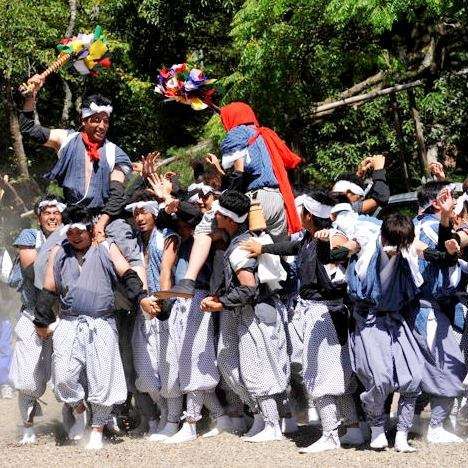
[
  {"x": 186, "y": 85},
  {"x": 87, "y": 51}
]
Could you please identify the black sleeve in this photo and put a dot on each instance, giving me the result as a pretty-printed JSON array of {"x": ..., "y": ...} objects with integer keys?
[
  {"x": 282, "y": 248},
  {"x": 339, "y": 254},
  {"x": 239, "y": 296},
  {"x": 440, "y": 258},
  {"x": 380, "y": 191},
  {"x": 43, "y": 314},
  {"x": 29, "y": 127},
  {"x": 133, "y": 287},
  {"x": 446, "y": 233},
  {"x": 28, "y": 272},
  {"x": 116, "y": 200},
  {"x": 166, "y": 309}
]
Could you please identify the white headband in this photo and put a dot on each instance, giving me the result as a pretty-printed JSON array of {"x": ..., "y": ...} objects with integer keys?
[
  {"x": 60, "y": 206},
  {"x": 80, "y": 226},
  {"x": 313, "y": 206},
  {"x": 460, "y": 203},
  {"x": 230, "y": 214},
  {"x": 343, "y": 186},
  {"x": 341, "y": 207},
  {"x": 149, "y": 206},
  {"x": 95, "y": 109}
]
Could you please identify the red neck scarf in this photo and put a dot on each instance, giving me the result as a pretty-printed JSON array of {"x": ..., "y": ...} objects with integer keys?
[
  {"x": 282, "y": 158},
  {"x": 92, "y": 148}
]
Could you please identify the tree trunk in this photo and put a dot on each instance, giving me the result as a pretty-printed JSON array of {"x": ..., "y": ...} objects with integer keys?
[
  {"x": 67, "y": 104},
  {"x": 395, "y": 109},
  {"x": 18, "y": 148},
  {"x": 419, "y": 133},
  {"x": 71, "y": 22}
]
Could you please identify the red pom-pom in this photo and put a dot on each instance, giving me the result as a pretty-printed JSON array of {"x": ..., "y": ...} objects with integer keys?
[{"x": 105, "y": 62}]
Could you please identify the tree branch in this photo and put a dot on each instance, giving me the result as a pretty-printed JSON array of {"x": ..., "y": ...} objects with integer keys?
[{"x": 71, "y": 22}]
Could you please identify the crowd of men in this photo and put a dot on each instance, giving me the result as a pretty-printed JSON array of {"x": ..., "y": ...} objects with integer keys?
[{"x": 261, "y": 303}]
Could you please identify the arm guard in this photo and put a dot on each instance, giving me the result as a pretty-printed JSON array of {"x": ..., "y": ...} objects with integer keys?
[
  {"x": 166, "y": 308},
  {"x": 380, "y": 191},
  {"x": 239, "y": 296},
  {"x": 441, "y": 259},
  {"x": 43, "y": 314},
  {"x": 133, "y": 286},
  {"x": 339, "y": 254},
  {"x": 28, "y": 127},
  {"x": 116, "y": 200}
]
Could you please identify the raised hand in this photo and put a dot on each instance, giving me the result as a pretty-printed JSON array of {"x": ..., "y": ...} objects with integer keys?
[
  {"x": 161, "y": 186},
  {"x": 445, "y": 202},
  {"x": 378, "y": 162},
  {"x": 437, "y": 170},
  {"x": 452, "y": 247},
  {"x": 32, "y": 86},
  {"x": 213, "y": 160}
]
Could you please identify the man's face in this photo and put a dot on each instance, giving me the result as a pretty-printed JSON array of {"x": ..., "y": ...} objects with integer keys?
[
  {"x": 222, "y": 221},
  {"x": 96, "y": 126},
  {"x": 207, "y": 201},
  {"x": 144, "y": 220},
  {"x": 352, "y": 197},
  {"x": 80, "y": 239},
  {"x": 50, "y": 219}
]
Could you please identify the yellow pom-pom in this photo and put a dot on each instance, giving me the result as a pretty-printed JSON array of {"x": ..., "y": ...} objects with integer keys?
[
  {"x": 197, "y": 104},
  {"x": 97, "y": 49},
  {"x": 77, "y": 46}
]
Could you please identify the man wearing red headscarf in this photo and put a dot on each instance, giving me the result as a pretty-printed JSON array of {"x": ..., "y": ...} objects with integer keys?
[
  {"x": 256, "y": 159},
  {"x": 260, "y": 154}
]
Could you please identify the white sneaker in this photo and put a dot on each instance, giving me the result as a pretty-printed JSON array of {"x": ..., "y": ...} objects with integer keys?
[
  {"x": 167, "y": 431},
  {"x": 270, "y": 432},
  {"x": 6, "y": 392},
  {"x": 353, "y": 437},
  {"x": 257, "y": 426},
  {"x": 439, "y": 435},
  {"x": 401, "y": 443},
  {"x": 95, "y": 441},
  {"x": 313, "y": 417},
  {"x": 29, "y": 436},
  {"x": 289, "y": 425},
  {"x": 239, "y": 425},
  {"x": 378, "y": 438},
  {"x": 77, "y": 431},
  {"x": 223, "y": 424},
  {"x": 328, "y": 441},
  {"x": 187, "y": 433}
]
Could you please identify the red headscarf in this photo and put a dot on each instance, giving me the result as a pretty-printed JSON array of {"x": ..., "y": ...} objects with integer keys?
[{"x": 282, "y": 158}]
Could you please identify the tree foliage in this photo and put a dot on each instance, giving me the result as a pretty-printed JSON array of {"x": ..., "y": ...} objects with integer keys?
[{"x": 284, "y": 57}]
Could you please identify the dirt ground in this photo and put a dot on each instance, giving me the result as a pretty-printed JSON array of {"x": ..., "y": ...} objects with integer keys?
[{"x": 225, "y": 450}]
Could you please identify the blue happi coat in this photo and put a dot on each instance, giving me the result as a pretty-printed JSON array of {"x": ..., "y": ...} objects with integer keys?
[
  {"x": 444, "y": 368},
  {"x": 86, "y": 289},
  {"x": 258, "y": 168},
  {"x": 69, "y": 171},
  {"x": 384, "y": 353}
]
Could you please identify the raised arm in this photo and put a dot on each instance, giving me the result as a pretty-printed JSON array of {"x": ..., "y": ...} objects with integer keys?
[{"x": 51, "y": 138}]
